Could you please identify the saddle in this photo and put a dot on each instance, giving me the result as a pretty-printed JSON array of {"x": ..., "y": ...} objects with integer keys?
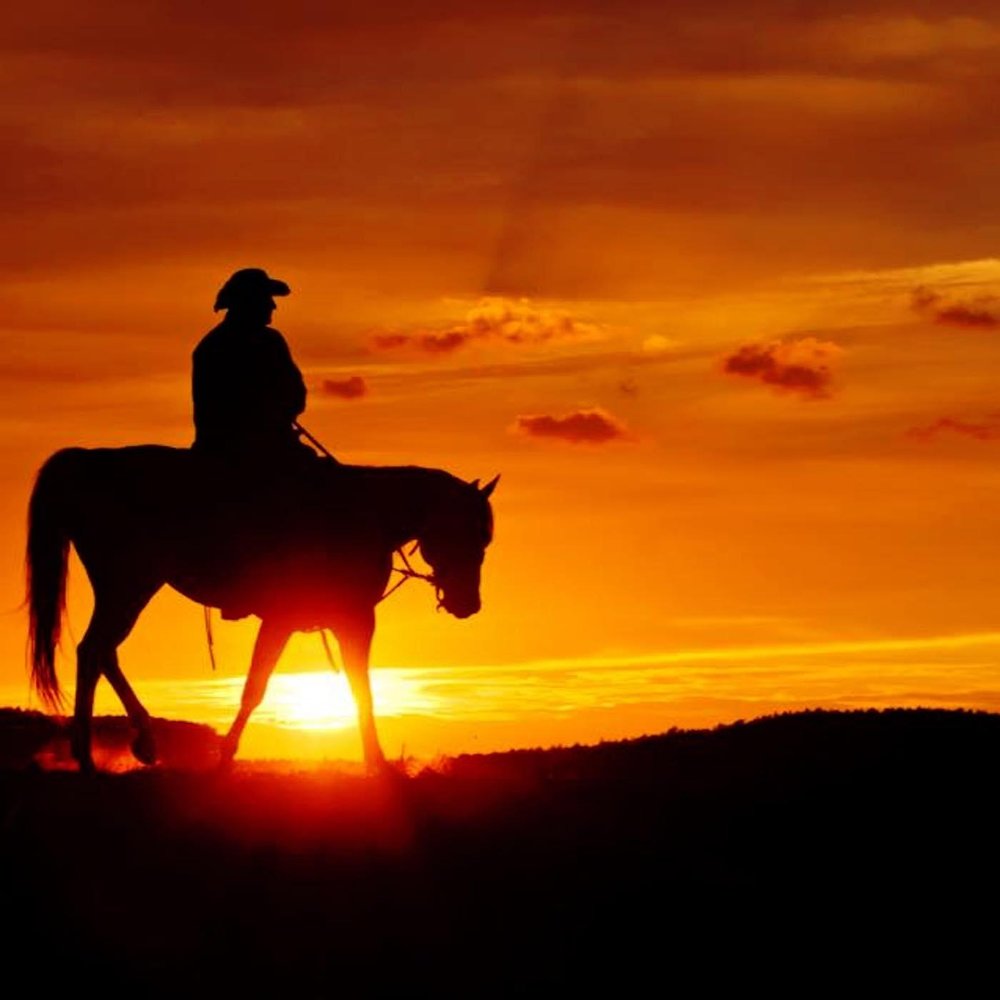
[{"x": 261, "y": 513}]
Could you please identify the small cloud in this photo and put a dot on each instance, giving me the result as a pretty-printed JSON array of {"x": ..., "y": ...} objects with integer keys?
[
  {"x": 981, "y": 312},
  {"x": 497, "y": 319},
  {"x": 985, "y": 430},
  {"x": 387, "y": 341},
  {"x": 656, "y": 343},
  {"x": 349, "y": 388},
  {"x": 801, "y": 366},
  {"x": 442, "y": 343},
  {"x": 580, "y": 427}
]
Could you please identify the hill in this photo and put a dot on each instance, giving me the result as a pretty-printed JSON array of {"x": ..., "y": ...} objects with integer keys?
[
  {"x": 832, "y": 845},
  {"x": 31, "y": 738}
]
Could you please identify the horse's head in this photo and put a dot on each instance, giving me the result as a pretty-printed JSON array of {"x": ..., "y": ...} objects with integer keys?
[{"x": 453, "y": 542}]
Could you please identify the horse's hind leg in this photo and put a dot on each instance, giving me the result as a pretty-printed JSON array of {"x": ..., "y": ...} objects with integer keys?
[
  {"x": 88, "y": 672},
  {"x": 112, "y": 620},
  {"x": 143, "y": 746}
]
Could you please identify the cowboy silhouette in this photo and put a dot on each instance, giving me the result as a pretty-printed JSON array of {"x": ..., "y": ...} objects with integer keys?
[{"x": 247, "y": 390}]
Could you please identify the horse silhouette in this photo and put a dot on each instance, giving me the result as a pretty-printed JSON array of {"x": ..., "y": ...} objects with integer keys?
[{"x": 301, "y": 552}]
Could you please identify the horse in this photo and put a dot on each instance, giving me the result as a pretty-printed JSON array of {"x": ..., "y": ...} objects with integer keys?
[{"x": 307, "y": 549}]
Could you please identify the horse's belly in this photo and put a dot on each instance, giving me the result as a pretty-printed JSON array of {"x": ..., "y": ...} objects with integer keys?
[{"x": 305, "y": 589}]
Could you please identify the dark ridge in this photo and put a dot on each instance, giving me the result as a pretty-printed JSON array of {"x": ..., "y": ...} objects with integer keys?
[
  {"x": 795, "y": 852},
  {"x": 33, "y": 739}
]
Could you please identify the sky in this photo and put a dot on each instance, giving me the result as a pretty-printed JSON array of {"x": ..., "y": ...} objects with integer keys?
[{"x": 713, "y": 288}]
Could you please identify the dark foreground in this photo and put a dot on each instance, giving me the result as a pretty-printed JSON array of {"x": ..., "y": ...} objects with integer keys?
[{"x": 796, "y": 852}]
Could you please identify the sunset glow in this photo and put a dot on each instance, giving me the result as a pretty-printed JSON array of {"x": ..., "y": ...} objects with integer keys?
[{"x": 717, "y": 294}]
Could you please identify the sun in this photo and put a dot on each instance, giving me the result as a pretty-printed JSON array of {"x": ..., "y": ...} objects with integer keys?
[
  {"x": 321, "y": 699},
  {"x": 317, "y": 699}
]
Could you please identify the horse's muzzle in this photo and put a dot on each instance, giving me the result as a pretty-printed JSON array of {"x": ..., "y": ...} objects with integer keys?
[{"x": 462, "y": 609}]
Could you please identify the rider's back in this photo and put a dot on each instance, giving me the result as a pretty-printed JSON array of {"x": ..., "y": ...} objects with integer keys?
[{"x": 247, "y": 390}]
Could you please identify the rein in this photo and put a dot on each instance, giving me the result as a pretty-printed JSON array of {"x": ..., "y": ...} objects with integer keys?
[{"x": 407, "y": 572}]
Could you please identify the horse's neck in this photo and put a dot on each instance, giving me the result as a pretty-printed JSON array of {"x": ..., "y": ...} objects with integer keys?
[{"x": 403, "y": 496}]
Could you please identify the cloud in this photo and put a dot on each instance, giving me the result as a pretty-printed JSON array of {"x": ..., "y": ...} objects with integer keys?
[
  {"x": 498, "y": 319},
  {"x": 594, "y": 426},
  {"x": 387, "y": 341},
  {"x": 985, "y": 430},
  {"x": 656, "y": 343},
  {"x": 981, "y": 312},
  {"x": 353, "y": 387},
  {"x": 443, "y": 343},
  {"x": 800, "y": 366}
]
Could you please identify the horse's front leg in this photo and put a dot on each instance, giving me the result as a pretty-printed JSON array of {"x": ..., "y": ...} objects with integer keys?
[
  {"x": 355, "y": 638},
  {"x": 271, "y": 640}
]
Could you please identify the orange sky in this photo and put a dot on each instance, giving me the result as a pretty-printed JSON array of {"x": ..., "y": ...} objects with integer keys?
[{"x": 759, "y": 243}]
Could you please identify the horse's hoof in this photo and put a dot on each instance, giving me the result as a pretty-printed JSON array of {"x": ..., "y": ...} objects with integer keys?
[
  {"x": 382, "y": 768},
  {"x": 226, "y": 757},
  {"x": 143, "y": 748},
  {"x": 80, "y": 752}
]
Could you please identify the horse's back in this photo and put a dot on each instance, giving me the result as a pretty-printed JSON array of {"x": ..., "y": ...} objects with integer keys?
[{"x": 139, "y": 458}]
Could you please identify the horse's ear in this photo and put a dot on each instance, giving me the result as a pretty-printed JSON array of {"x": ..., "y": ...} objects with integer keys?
[
  {"x": 475, "y": 483},
  {"x": 490, "y": 486}
]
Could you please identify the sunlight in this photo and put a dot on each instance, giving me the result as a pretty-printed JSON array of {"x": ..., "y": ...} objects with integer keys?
[
  {"x": 321, "y": 699},
  {"x": 317, "y": 700},
  {"x": 311, "y": 700}
]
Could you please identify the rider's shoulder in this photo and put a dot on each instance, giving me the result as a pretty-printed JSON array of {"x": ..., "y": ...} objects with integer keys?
[
  {"x": 228, "y": 338},
  {"x": 274, "y": 338}
]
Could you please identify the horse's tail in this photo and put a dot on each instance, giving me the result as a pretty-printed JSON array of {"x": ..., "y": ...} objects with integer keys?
[{"x": 46, "y": 563}]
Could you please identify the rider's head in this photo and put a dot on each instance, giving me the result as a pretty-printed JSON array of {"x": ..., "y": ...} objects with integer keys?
[{"x": 248, "y": 295}]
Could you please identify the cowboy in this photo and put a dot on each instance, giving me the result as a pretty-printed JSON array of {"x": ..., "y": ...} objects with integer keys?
[
  {"x": 255, "y": 474},
  {"x": 247, "y": 390}
]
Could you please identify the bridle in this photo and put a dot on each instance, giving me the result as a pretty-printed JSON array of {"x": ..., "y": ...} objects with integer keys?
[{"x": 407, "y": 572}]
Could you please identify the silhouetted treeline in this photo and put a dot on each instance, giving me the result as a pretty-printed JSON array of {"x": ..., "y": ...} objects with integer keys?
[{"x": 800, "y": 852}]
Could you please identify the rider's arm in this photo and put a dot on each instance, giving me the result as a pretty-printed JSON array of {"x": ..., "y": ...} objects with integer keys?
[{"x": 291, "y": 385}]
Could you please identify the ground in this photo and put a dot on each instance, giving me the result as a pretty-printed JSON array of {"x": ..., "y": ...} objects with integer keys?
[{"x": 820, "y": 844}]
